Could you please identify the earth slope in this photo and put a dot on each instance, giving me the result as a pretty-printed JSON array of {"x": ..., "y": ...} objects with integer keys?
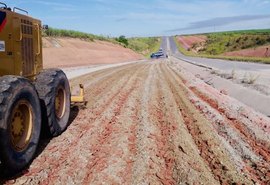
[{"x": 71, "y": 52}]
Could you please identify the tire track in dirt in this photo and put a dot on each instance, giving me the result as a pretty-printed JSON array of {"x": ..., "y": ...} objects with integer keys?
[
  {"x": 97, "y": 162},
  {"x": 96, "y": 119},
  {"x": 166, "y": 131},
  {"x": 144, "y": 129},
  {"x": 162, "y": 137},
  {"x": 208, "y": 143},
  {"x": 116, "y": 128},
  {"x": 183, "y": 163},
  {"x": 127, "y": 139}
]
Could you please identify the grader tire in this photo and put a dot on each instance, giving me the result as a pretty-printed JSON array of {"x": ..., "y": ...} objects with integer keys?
[
  {"x": 20, "y": 123},
  {"x": 54, "y": 93}
]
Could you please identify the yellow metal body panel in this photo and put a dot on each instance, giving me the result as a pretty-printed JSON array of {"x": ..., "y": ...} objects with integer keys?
[{"x": 20, "y": 45}]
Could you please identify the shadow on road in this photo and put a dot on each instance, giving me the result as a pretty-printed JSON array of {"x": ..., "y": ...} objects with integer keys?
[{"x": 45, "y": 139}]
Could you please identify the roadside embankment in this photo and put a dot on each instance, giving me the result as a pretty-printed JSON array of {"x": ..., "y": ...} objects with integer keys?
[{"x": 71, "y": 52}]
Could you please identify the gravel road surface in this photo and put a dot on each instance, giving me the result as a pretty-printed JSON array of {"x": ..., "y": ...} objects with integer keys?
[
  {"x": 74, "y": 72},
  {"x": 154, "y": 123}
]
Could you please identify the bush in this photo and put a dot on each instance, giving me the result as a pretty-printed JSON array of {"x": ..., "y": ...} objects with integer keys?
[{"x": 122, "y": 39}]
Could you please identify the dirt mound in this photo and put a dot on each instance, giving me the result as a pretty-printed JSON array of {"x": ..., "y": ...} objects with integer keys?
[
  {"x": 263, "y": 51},
  {"x": 189, "y": 41},
  {"x": 70, "y": 52}
]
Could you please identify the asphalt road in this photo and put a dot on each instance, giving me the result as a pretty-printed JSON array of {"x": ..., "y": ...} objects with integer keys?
[{"x": 169, "y": 45}]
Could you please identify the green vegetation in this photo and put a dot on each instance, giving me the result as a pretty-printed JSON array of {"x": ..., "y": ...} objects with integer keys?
[
  {"x": 144, "y": 46},
  {"x": 219, "y": 43},
  {"x": 122, "y": 39},
  {"x": 53, "y": 32},
  {"x": 233, "y": 58}
]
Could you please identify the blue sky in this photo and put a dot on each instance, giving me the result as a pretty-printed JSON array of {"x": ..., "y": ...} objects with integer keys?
[{"x": 149, "y": 17}]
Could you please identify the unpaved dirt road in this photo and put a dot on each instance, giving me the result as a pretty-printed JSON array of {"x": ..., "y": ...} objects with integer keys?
[{"x": 154, "y": 123}]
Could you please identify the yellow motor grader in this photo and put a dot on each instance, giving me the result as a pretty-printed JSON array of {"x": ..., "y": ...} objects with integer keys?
[{"x": 29, "y": 95}]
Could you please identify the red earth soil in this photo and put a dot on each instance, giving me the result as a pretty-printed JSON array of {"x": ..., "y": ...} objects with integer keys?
[
  {"x": 188, "y": 41},
  {"x": 263, "y": 51}
]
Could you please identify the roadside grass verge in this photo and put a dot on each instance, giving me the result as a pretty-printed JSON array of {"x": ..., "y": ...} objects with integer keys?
[
  {"x": 144, "y": 45},
  {"x": 219, "y": 43},
  {"x": 53, "y": 32},
  {"x": 232, "y": 58}
]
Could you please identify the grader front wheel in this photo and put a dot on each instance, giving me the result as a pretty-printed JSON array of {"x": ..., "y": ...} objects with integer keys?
[
  {"x": 60, "y": 103},
  {"x": 20, "y": 123},
  {"x": 21, "y": 126}
]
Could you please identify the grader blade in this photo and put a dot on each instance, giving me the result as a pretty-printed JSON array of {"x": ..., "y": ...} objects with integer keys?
[{"x": 79, "y": 100}]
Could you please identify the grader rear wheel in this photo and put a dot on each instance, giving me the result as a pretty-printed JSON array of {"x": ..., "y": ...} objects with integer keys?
[
  {"x": 54, "y": 92},
  {"x": 20, "y": 123}
]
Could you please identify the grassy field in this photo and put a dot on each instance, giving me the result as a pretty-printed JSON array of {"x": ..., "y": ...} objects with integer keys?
[
  {"x": 144, "y": 46},
  {"x": 219, "y": 43},
  {"x": 222, "y": 42}
]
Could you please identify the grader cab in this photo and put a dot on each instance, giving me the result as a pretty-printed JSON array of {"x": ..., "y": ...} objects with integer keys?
[{"x": 29, "y": 95}]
